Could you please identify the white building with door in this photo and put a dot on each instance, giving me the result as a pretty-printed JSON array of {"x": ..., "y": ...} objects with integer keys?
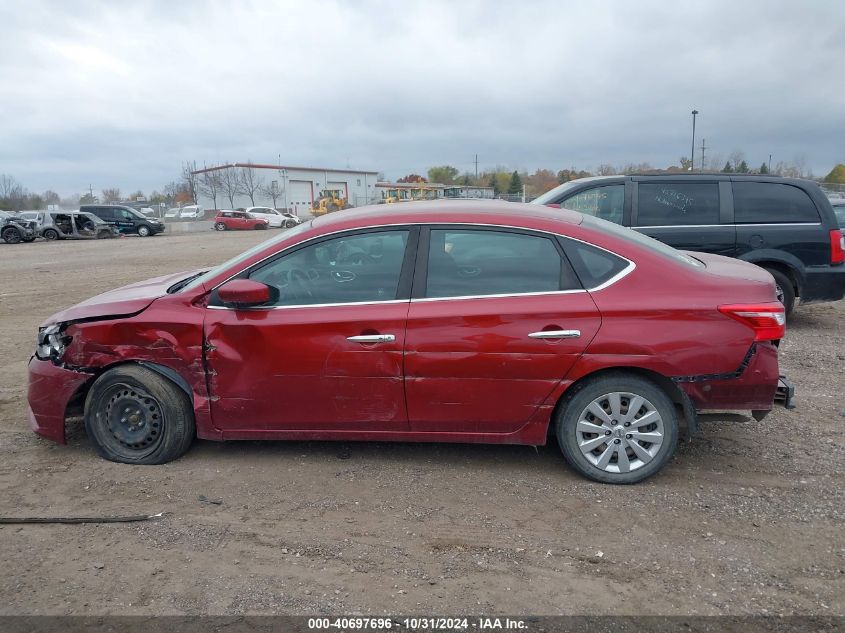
[{"x": 296, "y": 188}]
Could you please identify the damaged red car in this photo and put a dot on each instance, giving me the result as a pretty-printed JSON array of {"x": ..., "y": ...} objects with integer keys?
[{"x": 450, "y": 321}]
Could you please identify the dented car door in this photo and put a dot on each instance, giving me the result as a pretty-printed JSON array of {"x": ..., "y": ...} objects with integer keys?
[{"x": 327, "y": 354}]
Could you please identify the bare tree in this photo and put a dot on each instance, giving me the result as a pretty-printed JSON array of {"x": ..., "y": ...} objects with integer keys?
[
  {"x": 210, "y": 186},
  {"x": 715, "y": 162},
  {"x": 230, "y": 184},
  {"x": 190, "y": 179},
  {"x": 111, "y": 195},
  {"x": 251, "y": 182},
  {"x": 8, "y": 186},
  {"x": 272, "y": 191},
  {"x": 607, "y": 170},
  {"x": 736, "y": 157}
]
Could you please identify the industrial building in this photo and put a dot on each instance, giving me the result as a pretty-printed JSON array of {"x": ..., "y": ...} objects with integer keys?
[
  {"x": 296, "y": 188},
  {"x": 406, "y": 191}
]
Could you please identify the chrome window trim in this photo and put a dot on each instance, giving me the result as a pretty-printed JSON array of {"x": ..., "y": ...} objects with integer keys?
[
  {"x": 618, "y": 276},
  {"x": 313, "y": 305}
]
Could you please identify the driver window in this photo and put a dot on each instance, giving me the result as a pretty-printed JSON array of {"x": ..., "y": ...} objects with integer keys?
[{"x": 351, "y": 269}]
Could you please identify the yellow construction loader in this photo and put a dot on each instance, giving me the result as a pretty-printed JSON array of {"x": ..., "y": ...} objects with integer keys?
[{"x": 329, "y": 200}]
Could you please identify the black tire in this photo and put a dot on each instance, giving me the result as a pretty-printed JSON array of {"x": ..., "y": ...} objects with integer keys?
[
  {"x": 220, "y": 226},
  {"x": 29, "y": 239},
  {"x": 161, "y": 413},
  {"x": 50, "y": 235},
  {"x": 785, "y": 289},
  {"x": 568, "y": 414},
  {"x": 290, "y": 224},
  {"x": 11, "y": 235},
  {"x": 260, "y": 227},
  {"x": 144, "y": 231}
]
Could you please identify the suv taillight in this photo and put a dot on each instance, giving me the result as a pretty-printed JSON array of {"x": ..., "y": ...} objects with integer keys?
[
  {"x": 768, "y": 320},
  {"x": 837, "y": 247}
]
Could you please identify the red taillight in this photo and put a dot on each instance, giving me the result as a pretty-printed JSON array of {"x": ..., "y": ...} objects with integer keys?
[
  {"x": 768, "y": 320},
  {"x": 837, "y": 247}
]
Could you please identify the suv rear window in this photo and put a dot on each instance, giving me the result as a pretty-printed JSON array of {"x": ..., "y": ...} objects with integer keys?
[
  {"x": 772, "y": 203},
  {"x": 673, "y": 204}
]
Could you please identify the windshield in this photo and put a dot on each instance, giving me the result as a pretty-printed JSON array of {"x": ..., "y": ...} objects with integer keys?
[
  {"x": 300, "y": 228},
  {"x": 554, "y": 194},
  {"x": 641, "y": 240}
]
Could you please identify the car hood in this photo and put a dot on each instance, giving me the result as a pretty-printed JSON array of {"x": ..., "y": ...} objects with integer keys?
[{"x": 122, "y": 301}]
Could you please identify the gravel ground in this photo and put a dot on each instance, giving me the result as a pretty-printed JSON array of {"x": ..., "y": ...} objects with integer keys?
[{"x": 747, "y": 518}]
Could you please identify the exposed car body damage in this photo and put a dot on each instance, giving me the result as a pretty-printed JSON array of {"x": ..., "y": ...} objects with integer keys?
[{"x": 466, "y": 369}]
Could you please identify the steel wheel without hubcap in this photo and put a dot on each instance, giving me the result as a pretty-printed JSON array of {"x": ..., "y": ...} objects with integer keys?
[
  {"x": 620, "y": 432},
  {"x": 134, "y": 418}
]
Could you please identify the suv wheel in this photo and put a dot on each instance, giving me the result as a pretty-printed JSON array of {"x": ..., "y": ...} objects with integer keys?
[
  {"x": 50, "y": 235},
  {"x": 11, "y": 235},
  {"x": 785, "y": 290},
  {"x": 618, "y": 428},
  {"x": 144, "y": 230}
]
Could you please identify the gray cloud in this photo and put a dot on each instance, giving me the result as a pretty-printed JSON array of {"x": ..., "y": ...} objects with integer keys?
[{"x": 118, "y": 94}]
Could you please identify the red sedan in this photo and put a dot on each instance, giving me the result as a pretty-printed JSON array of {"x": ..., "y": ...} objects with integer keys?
[
  {"x": 238, "y": 221},
  {"x": 450, "y": 321}
]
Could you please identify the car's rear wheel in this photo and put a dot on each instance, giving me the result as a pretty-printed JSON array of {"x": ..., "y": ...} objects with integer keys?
[
  {"x": 618, "y": 428},
  {"x": 220, "y": 226},
  {"x": 290, "y": 224},
  {"x": 784, "y": 289},
  {"x": 135, "y": 416},
  {"x": 50, "y": 235}
]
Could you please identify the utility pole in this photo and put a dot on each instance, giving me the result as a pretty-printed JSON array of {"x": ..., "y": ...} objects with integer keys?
[
  {"x": 703, "y": 147},
  {"x": 692, "y": 151},
  {"x": 476, "y": 166},
  {"x": 770, "y": 163}
]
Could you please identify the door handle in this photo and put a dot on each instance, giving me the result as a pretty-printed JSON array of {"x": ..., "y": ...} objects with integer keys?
[
  {"x": 556, "y": 334},
  {"x": 372, "y": 338}
]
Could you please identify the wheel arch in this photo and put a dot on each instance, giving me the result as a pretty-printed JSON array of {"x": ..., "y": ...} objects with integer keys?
[{"x": 678, "y": 397}]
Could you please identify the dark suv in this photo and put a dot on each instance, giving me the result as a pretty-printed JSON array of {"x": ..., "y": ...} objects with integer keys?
[
  {"x": 785, "y": 225},
  {"x": 125, "y": 219}
]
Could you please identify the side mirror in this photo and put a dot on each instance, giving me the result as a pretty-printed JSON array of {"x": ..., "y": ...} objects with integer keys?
[{"x": 244, "y": 293}]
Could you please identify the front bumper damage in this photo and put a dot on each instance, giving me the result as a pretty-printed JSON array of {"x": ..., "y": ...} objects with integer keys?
[{"x": 51, "y": 388}]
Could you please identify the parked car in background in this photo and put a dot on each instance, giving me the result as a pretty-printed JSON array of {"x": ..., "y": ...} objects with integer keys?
[
  {"x": 14, "y": 229},
  {"x": 784, "y": 225},
  {"x": 448, "y": 321},
  {"x": 77, "y": 225},
  {"x": 293, "y": 219},
  {"x": 126, "y": 219},
  {"x": 838, "y": 205},
  {"x": 33, "y": 216},
  {"x": 191, "y": 212},
  {"x": 238, "y": 221},
  {"x": 275, "y": 219}
]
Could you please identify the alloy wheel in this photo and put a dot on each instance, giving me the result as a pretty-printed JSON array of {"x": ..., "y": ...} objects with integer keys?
[{"x": 620, "y": 432}]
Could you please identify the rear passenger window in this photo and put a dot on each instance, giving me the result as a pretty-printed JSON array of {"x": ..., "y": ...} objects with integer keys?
[
  {"x": 672, "y": 204},
  {"x": 771, "y": 203},
  {"x": 607, "y": 203},
  {"x": 471, "y": 263},
  {"x": 594, "y": 265}
]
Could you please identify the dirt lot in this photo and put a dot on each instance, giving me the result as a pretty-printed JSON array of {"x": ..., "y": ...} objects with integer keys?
[{"x": 747, "y": 519}]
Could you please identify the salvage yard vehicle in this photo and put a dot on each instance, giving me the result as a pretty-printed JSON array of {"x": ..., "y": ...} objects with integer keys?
[
  {"x": 449, "y": 321},
  {"x": 785, "y": 225},
  {"x": 238, "y": 221},
  {"x": 274, "y": 218},
  {"x": 14, "y": 229},
  {"x": 75, "y": 225},
  {"x": 127, "y": 220}
]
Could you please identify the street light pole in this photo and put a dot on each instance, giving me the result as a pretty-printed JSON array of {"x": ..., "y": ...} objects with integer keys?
[{"x": 692, "y": 151}]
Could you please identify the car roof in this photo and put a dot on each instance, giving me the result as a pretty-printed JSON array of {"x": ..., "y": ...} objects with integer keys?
[{"x": 498, "y": 212}]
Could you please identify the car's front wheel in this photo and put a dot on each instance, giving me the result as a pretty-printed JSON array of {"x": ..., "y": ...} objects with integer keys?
[
  {"x": 12, "y": 235},
  {"x": 134, "y": 415},
  {"x": 50, "y": 235},
  {"x": 144, "y": 230},
  {"x": 618, "y": 428}
]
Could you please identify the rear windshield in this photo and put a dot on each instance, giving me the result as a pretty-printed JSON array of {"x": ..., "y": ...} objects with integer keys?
[{"x": 641, "y": 240}]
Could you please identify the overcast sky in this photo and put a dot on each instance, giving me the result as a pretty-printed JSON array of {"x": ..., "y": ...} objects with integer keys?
[{"x": 118, "y": 94}]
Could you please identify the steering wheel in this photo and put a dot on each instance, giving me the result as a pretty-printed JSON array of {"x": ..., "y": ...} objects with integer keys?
[{"x": 300, "y": 284}]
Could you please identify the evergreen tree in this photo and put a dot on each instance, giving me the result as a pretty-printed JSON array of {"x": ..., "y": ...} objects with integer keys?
[
  {"x": 516, "y": 183},
  {"x": 494, "y": 183},
  {"x": 727, "y": 168},
  {"x": 742, "y": 168},
  {"x": 764, "y": 168}
]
